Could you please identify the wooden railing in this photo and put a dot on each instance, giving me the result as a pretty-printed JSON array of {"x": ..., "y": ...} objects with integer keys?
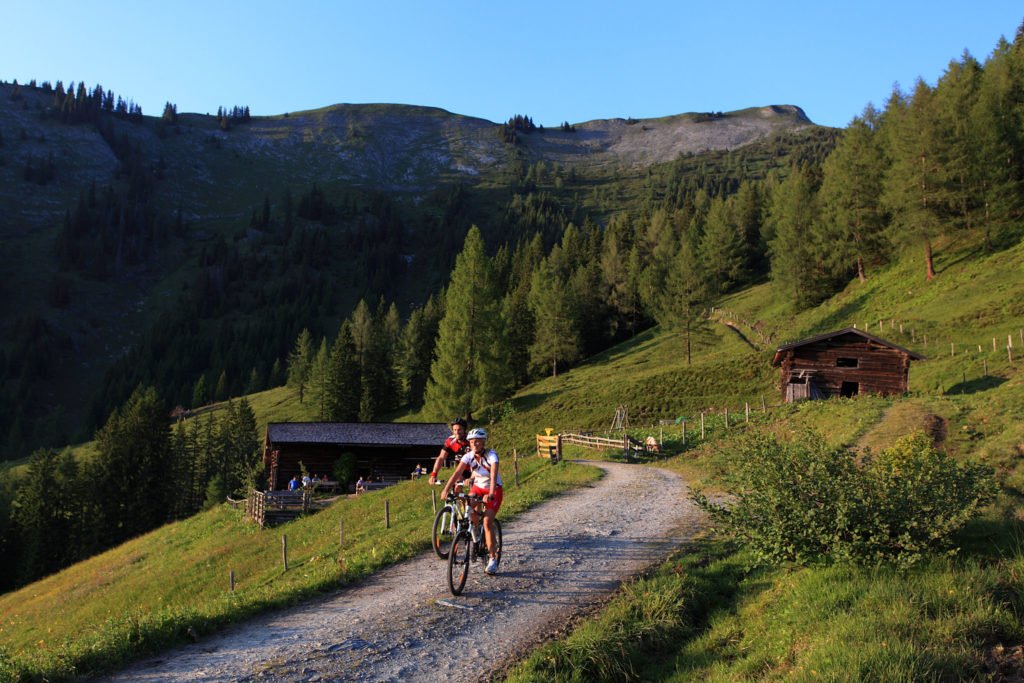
[
  {"x": 273, "y": 507},
  {"x": 626, "y": 443}
]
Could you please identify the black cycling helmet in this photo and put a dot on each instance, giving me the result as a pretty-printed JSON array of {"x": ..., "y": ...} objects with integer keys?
[{"x": 459, "y": 421}]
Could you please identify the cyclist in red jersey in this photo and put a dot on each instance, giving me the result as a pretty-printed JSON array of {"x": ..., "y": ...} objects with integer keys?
[
  {"x": 454, "y": 447},
  {"x": 483, "y": 463}
]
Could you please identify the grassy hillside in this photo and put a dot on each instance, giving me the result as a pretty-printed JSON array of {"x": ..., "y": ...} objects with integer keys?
[
  {"x": 173, "y": 584},
  {"x": 709, "y": 613},
  {"x": 963, "y": 605}
]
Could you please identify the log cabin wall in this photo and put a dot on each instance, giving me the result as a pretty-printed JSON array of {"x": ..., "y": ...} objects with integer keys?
[{"x": 851, "y": 359}]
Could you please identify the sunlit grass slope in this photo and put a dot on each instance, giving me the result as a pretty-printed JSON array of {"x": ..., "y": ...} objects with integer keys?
[
  {"x": 708, "y": 614},
  {"x": 173, "y": 583}
]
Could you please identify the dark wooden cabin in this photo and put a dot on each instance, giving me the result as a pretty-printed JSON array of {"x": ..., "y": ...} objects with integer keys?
[
  {"x": 847, "y": 362},
  {"x": 388, "y": 450}
]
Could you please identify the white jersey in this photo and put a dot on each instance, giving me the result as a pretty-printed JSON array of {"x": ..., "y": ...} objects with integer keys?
[{"x": 481, "y": 468}]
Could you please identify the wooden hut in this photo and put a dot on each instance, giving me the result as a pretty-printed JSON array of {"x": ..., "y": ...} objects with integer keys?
[
  {"x": 847, "y": 362},
  {"x": 384, "y": 450}
]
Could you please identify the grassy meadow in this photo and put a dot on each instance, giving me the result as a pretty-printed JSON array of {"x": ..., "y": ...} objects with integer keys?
[
  {"x": 172, "y": 584},
  {"x": 711, "y": 613},
  {"x": 708, "y": 612}
]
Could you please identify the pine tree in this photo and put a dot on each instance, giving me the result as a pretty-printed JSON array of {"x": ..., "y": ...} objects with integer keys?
[
  {"x": 798, "y": 252},
  {"x": 299, "y": 362},
  {"x": 199, "y": 392},
  {"x": 417, "y": 350},
  {"x": 682, "y": 304},
  {"x": 912, "y": 188},
  {"x": 998, "y": 127},
  {"x": 133, "y": 460},
  {"x": 343, "y": 389},
  {"x": 468, "y": 370},
  {"x": 555, "y": 310},
  {"x": 722, "y": 249},
  {"x": 851, "y": 192},
  {"x": 319, "y": 381}
]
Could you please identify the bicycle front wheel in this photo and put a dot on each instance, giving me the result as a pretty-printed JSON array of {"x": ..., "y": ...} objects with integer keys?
[
  {"x": 458, "y": 562},
  {"x": 444, "y": 530}
]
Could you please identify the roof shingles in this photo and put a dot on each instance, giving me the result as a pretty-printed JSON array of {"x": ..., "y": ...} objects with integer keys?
[{"x": 359, "y": 433}]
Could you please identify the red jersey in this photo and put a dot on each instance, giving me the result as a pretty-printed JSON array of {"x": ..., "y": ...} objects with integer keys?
[{"x": 455, "y": 446}]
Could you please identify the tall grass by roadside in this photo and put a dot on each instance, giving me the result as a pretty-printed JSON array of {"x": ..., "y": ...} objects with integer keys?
[
  {"x": 704, "y": 615},
  {"x": 172, "y": 585}
]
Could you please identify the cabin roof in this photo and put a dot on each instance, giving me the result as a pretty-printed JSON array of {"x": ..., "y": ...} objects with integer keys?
[
  {"x": 359, "y": 433},
  {"x": 845, "y": 331}
]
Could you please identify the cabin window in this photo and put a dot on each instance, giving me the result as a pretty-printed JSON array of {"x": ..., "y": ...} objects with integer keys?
[{"x": 846, "y": 362}]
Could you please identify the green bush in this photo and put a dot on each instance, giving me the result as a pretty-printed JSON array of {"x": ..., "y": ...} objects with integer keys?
[{"x": 805, "y": 502}]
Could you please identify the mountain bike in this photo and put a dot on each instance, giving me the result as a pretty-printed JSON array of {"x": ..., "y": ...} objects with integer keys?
[
  {"x": 447, "y": 521},
  {"x": 469, "y": 544}
]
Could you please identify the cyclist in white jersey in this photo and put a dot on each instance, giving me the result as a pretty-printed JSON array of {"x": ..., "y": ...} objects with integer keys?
[{"x": 483, "y": 463}]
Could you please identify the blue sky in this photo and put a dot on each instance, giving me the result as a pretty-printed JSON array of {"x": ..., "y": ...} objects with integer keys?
[{"x": 553, "y": 61}]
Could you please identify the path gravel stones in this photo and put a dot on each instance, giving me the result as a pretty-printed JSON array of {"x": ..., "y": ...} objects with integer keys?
[{"x": 402, "y": 624}]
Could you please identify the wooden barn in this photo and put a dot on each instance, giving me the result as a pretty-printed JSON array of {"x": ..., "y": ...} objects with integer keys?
[
  {"x": 847, "y": 362},
  {"x": 384, "y": 450}
]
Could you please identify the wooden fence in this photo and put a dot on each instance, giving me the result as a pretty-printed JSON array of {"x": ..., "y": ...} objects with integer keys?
[
  {"x": 273, "y": 507},
  {"x": 627, "y": 444}
]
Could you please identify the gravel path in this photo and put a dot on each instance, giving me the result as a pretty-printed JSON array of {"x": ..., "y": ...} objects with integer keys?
[{"x": 403, "y": 624}]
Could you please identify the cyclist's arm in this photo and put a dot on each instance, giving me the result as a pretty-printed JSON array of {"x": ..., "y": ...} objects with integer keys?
[
  {"x": 438, "y": 463},
  {"x": 494, "y": 479},
  {"x": 458, "y": 470}
]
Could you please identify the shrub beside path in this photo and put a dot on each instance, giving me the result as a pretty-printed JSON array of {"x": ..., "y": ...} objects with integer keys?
[{"x": 561, "y": 558}]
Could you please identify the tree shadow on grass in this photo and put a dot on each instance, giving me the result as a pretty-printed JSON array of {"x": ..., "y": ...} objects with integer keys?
[{"x": 973, "y": 386}]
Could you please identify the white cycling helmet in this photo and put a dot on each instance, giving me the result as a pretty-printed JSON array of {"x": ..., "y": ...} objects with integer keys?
[{"x": 476, "y": 434}]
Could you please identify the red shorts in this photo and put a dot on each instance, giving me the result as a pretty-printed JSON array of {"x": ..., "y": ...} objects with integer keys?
[{"x": 495, "y": 502}]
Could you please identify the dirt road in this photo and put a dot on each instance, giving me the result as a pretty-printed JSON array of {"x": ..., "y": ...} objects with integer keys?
[{"x": 403, "y": 624}]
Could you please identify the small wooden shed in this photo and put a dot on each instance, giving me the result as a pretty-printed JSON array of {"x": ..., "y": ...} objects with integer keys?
[
  {"x": 846, "y": 362},
  {"x": 387, "y": 450}
]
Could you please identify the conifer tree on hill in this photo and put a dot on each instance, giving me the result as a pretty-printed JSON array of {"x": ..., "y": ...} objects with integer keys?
[
  {"x": 913, "y": 183},
  {"x": 470, "y": 368},
  {"x": 851, "y": 193}
]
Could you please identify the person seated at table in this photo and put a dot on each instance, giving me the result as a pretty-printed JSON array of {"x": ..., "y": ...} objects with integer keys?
[
  {"x": 418, "y": 472},
  {"x": 294, "y": 484}
]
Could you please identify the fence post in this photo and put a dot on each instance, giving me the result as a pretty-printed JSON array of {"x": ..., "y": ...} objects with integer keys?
[
  {"x": 515, "y": 465},
  {"x": 746, "y": 408},
  {"x": 952, "y": 349},
  {"x": 231, "y": 580},
  {"x": 1009, "y": 340},
  {"x": 387, "y": 514},
  {"x": 764, "y": 408},
  {"x": 726, "y": 418},
  {"x": 702, "y": 426},
  {"x": 433, "y": 500},
  {"x": 684, "y": 433},
  {"x": 284, "y": 551}
]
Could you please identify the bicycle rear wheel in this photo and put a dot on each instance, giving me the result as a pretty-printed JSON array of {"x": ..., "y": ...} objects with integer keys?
[
  {"x": 443, "y": 531},
  {"x": 458, "y": 562}
]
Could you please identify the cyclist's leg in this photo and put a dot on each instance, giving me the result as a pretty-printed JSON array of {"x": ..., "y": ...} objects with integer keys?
[{"x": 492, "y": 548}]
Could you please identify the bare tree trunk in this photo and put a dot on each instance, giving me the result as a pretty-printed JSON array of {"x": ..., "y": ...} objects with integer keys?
[{"x": 928, "y": 261}]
